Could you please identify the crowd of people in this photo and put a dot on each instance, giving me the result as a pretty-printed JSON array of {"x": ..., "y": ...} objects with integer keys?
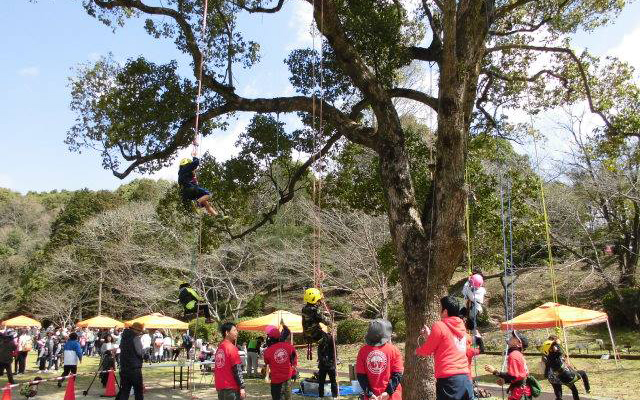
[{"x": 379, "y": 366}]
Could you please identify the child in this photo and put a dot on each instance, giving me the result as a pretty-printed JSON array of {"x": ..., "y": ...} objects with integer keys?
[
  {"x": 517, "y": 370},
  {"x": 474, "y": 293},
  {"x": 559, "y": 372},
  {"x": 313, "y": 316},
  {"x": 281, "y": 359},
  {"x": 72, "y": 356},
  {"x": 189, "y": 184}
]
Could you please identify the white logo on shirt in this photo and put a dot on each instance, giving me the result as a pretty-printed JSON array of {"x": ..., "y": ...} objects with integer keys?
[
  {"x": 280, "y": 356},
  {"x": 220, "y": 358},
  {"x": 461, "y": 343},
  {"x": 376, "y": 362}
]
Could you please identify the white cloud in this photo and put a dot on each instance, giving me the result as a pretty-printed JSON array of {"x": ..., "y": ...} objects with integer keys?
[
  {"x": 627, "y": 48},
  {"x": 300, "y": 24},
  {"x": 29, "y": 71}
]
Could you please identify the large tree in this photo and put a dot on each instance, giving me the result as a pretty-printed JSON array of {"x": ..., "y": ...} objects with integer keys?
[{"x": 487, "y": 55}]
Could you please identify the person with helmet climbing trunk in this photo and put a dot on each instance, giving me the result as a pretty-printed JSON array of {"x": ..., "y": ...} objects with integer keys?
[
  {"x": 192, "y": 302},
  {"x": 558, "y": 371},
  {"x": 189, "y": 184},
  {"x": 517, "y": 370}
]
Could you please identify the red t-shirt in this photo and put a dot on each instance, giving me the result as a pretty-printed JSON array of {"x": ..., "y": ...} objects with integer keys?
[
  {"x": 448, "y": 345},
  {"x": 378, "y": 363},
  {"x": 226, "y": 357},
  {"x": 517, "y": 366},
  {"x": 278, "y": 358}
]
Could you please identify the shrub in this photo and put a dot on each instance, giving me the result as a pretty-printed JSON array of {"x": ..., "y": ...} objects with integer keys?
[
  {"x": 341, "y": 308},
  {"x": 351, "y": 331},
  {"x": 631, "y": 301},
  {"x": 400, "y": 331},
  {"x": 207, "y": 332}
]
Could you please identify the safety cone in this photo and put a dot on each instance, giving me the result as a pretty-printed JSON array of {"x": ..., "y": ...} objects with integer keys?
[
  {"x": 6, "y": 392},
  {"x": 70, "y": 393},
  {"x": 110, "y": 389}
]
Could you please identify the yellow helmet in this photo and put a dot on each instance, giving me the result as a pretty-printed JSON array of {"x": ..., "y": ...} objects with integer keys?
[
  {"x": 185, "y": 161},
  {"x": 546, "y": 346},
  {"x": 312, "y": 295}
]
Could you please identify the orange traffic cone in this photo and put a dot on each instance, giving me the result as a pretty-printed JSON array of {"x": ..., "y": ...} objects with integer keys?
[
  {"x": 70, "y": 393},
  {"x": 110, "y": 389},
  {"x": 6, "y": 392}
]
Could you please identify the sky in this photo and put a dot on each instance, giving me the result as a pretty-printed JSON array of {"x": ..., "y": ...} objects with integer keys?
[{"x": 43, "y": 41}]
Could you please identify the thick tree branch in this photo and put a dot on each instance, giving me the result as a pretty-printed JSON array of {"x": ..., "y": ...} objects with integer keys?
[
  {"x": 288, "y": 193},
  {"x": 260, "y": 9},
  {"x": 192, "y": 46},
  {"x": 571, "y": 54},
  {"x": 398, "y": 92},
  {"x": 433, "y": 53}
]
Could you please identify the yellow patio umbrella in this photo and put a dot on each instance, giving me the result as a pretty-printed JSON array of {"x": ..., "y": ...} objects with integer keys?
[
  {"x": 293, "y": 321},
  {"x": 159, "y": 321},
  {"x": 20, "y": 321},
  {"x": 100, "y": 321}
]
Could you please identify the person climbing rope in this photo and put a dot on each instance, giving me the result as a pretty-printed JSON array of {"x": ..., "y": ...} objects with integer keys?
[
  {"x": 193, "y": 303},
  {"x": 517, "y": 370},
  {"x": 474, "y": 293},
  {"x": 313, "y": 315},
  {"x": 559, "y": 372},
  {"x": 281, "y": 359},
  {"x": 189, "y": 184}
]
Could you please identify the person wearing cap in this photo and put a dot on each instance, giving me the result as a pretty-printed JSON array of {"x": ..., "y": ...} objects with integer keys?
[
  {"x": 7, "y": 348},
  {"x": 281, "y": 359},
  {"x": 517, "y": 370},
  {"x": 228, "y": 365},
  {"x": 131, "y": 354},
  {"x": 379, "y": 365},
  {"x": 189, "y": 184},
  {"x": 559, "y": 372},
  {"x": 446, "y": 341}
]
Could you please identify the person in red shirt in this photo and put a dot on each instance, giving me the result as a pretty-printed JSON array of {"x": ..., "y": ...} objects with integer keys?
[
  {"x": 517, "y": 370},
  {"x": 228, "y": 366},
  {"x": 446, "y": 341},
  {"x": 281, "y": 358},
  {"x": 379, "y": 364}
]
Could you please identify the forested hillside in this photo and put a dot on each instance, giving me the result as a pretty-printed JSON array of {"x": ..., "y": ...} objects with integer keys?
[{"x": 139, "y": 242}]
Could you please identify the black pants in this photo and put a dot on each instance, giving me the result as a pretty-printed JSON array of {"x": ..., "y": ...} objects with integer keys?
[
  {"x": 68, "y": 369},
  {"x": 7, "y": 367},
  {"x": 176, "y": 353},
  {"x": 557, "y": 388},
  {"x": 455, "y": 387},
  {"x": 128, "y": 380},
  {"x": 42, "y": 363},
  {"x": 108, "y": 363},
  {"x": 21, "y": 362},
  {"x": 322, "y": 375}
]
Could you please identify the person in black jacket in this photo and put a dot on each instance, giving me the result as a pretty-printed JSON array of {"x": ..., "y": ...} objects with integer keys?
[
  {"x": 327, "y": 364},
  {"x": 558, "y": 370},
  {"x": 189, "y": 184},
  {"x": 7, "y": 347},
  {"x": 131, "y": 353}
]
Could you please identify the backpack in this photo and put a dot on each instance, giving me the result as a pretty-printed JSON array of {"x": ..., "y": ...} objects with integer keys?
[{"x": 533, "y": 383}]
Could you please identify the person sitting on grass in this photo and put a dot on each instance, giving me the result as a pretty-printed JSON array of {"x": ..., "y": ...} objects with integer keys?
[
  {"x": 558, "y": 370},
  {"x": 189, "y": 184},
  {"x": 517, "y": 370}
]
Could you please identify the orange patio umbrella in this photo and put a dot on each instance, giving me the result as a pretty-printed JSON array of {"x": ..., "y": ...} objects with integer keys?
[
  {"x": 100, "y": 321},
  {"x": 20, "y": 321}
]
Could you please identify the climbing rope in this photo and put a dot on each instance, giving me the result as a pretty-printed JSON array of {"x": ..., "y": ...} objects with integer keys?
[{"x": 196, "y": 125}]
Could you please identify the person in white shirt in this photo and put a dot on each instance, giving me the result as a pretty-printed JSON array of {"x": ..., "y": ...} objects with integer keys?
[
  {"x": 158, "y": 346},
  {"x": 168, "y": 347},
  {"x": 145, "y": 339},
  {"x": 474, "y": 293}
]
